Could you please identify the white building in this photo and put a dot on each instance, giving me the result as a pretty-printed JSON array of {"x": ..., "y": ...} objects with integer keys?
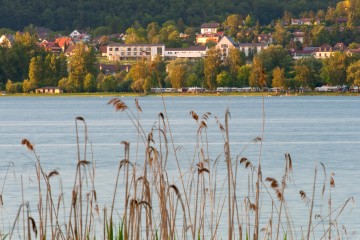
[
  {"x": 225, "y": 44},
  {"x": 252, "y": 48},
  {"x": 118, "y": 51},
  {"x": 192, "y": 52}
]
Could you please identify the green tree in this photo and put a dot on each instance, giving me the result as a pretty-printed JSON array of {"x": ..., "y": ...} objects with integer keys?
[
  {"x": 275, "y": 56},
  {"x": 138, "y": 73},
  {"x": 234, "y": 61},
  {"x": 81, "y": 63},
  {"x": 224, "y": 79},
  {"x": 212, "y": 67},
  {"x": 307, "y": 72},
  {"x": 90, "y": 83},
  {"x": 27, "y": 86},
  {"x": 334, "y": 69},
  {"x": 242, "y": 79},
  {"x": 36, "y": 71},
  {"x": 353, "y": 73},
  {"x": 353, "y": 13},
  {"x": 178, "y": 72}
]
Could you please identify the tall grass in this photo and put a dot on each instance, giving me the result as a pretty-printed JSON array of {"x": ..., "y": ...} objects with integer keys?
[{"x": 155, "y": 206}]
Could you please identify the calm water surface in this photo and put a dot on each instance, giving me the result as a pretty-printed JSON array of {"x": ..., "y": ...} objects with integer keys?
[{"x": 313, "y": 130}]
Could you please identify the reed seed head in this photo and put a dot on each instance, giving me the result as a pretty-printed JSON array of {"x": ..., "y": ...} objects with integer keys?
[{"x": 28, "y": 144}]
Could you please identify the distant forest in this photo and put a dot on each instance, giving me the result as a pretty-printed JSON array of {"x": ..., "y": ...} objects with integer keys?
[{"x": 66, "y": 15}]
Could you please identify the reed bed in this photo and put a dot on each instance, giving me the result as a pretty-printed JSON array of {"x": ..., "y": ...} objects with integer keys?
[{"x": 154, "y": 205}]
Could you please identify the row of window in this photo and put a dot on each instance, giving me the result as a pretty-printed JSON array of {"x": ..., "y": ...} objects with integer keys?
[{"x": 116, "y": 49}]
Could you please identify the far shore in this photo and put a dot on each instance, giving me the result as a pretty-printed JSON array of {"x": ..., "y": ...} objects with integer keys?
[{"x": 206, "y": 94}]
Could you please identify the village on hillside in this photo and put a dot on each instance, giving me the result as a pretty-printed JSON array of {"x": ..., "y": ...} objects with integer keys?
[{"x": 299, "y": 38}]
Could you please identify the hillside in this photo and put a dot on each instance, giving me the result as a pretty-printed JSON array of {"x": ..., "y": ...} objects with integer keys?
[{"x": 69, "y": 14}]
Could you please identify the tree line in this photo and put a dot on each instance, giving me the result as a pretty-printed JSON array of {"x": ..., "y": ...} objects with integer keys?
[
  {"x": 272, "y": 67},
  {"x": 67, "y": 14}
]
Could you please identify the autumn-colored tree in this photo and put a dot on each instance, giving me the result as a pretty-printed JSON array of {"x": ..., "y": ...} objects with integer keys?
[
  {"x": 257, "y": 76},
  {"x": 211, "y": 67},
  {"x": 90, "y": 83},
  {"x": 36, "y": 71},
  {"x": 278, "y": 80}
]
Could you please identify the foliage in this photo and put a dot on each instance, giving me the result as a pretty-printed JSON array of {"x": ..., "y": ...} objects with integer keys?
[
  {"x": 353, "y": 73},
  {"x": 308, "y": 72},
  {"x": 212, "y": 67},
  {"x": 67, "y": 15}
]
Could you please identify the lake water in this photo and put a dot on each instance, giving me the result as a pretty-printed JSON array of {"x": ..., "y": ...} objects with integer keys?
[{"x": 313, "y": 130}]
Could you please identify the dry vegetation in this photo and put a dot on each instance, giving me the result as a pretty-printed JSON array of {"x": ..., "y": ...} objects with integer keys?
[{"x": 156, "y": 207}]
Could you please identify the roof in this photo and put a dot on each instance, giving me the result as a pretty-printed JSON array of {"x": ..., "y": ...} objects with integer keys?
[
  {"x": 340, "y": 46},
  {"x": 191, "y": 48},
  {"x": 325, "y": 48},
  {"x": 113, "y": 68},
  {"x": 62, "y": 42},
  {"x": 253, "y": 44},
  {"x": 210, "y": 25},
  {"x": 49, "y": 87},
  {"x": 134, "y": 45}
]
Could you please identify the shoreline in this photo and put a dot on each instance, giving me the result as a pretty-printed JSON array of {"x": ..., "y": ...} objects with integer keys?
[{"x": 232, "y": 94}]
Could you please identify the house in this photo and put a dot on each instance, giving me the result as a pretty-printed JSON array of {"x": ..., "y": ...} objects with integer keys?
[
  {"x": 341, "y": 20},
  {"x": 63, "y": 42},
  {"x": 225, "y": 44},
  {"x": 304, "y": 53},
  {"x": 209, "y": 28},
  {"x": 103, "y": 51},
  {"x": 305, "y": 21},
  {"x": 69, "y": 51},
  {"x": 340, "y": 47},
  {"x": 42, "y": 33},
  {"x": 202, "y": 39},
  {"x": 52, "y": 47},
  {"x": 50, "y": 90},
  {"x": 298, "y": 36},
  {"x": 264, "y": 38},
  {"x": 192, "y": 52},
  {"x": 112, "y": 69},
  {"x": 7, "y": 40},
  {"x": 324, "y": 51},
  {"x": 80, "y": 35},
  {"x": 249, "y": 49},
  {"x": 119, "y": 51}
]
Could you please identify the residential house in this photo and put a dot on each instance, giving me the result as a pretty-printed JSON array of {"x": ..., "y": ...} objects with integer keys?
[
  {"x": 103, "y": 51},
  {"x": 7, "y": 40},
  {"x": 324, "y": 51},
  {"x": 250, "y": 49},
  {"x": 340, "y": 47},
  {"x": 341, "y": 20},
  {"x": 202, "y": 39},
  {"x": 265, "y": 38},
  {"x": 50, "y": 90},
  {"x": 209, "y": 28},
  {"x": 192, "y": 52},
  {"x": 225, "y": 44},
  {"x": 304, "y": 53},
  {"x": 63, "y": 42},
  {"x": 298, "y": 36},
  {"x": 69, "y": 51},
  {"x": 42, "y": 33},
  {"x": 52, "y": 47},
  {"x": 119, "y": 51},
  {"x": 305, "y": 21},
  {"x": 80, "y": 35}
]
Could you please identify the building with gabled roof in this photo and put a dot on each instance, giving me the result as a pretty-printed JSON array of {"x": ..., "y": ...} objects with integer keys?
[
  {"x": 225, "y": 44},
  {"x": 209, "y": 28},
  {"x": 7, "y": 40}
]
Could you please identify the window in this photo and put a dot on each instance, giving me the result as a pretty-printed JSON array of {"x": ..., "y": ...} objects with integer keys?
[
  {"x": 116, "y": 49},
  {"x": 135, "y": 49},
  {"x": 224, "y": 46},
  {"x": 129, "y": 49},
  {"x": 110, "y": 49},
  {"x": 159, "y": 51}
]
